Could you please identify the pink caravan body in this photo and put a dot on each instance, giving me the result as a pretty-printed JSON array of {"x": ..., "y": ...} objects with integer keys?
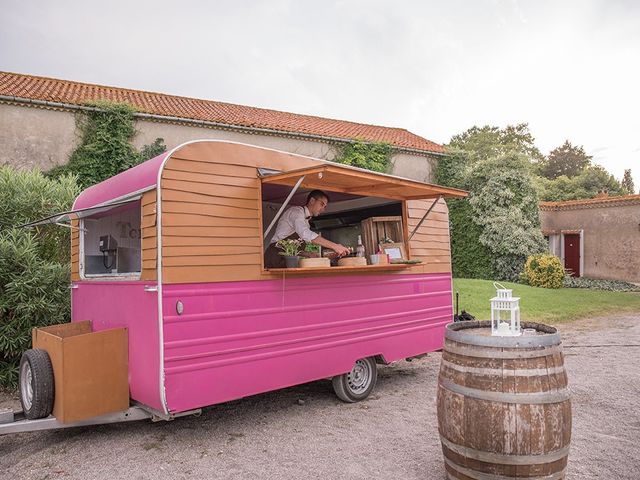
[{"x": 196, "y": 340}]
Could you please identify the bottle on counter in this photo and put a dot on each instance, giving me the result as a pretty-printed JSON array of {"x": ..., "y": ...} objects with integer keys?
[{"x": 360, "y": 247}]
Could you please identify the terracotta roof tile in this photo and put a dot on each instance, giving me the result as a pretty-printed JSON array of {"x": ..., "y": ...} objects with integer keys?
[
  {"x": 621, "y": 200},
  {"x": 76, "y": 93}
]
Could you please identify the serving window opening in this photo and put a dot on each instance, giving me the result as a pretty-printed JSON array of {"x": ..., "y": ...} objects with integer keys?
[
  {"x": 110, "y": 242},
  {"x": 376, "y": 222}
]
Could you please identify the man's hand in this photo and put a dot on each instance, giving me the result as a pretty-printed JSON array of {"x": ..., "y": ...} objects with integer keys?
[{"x": 341, "y": 250}]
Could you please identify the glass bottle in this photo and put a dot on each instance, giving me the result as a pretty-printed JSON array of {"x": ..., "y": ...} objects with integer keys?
[{"x": 360, "y": 247}]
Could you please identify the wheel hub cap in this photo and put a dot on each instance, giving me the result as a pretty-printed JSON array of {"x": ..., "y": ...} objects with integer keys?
[
  {"x": 359, "y": 377},
  {"x": 26, "y": 385}
]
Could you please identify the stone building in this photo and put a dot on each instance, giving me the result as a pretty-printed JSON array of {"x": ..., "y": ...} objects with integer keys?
[
  {"x": 597, "y": 237},
  {"x": 38, "y": 125}
]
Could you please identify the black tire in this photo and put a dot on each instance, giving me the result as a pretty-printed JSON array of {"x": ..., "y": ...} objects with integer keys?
[
  {"x": 357, "y": 384},
  {"x": 36, "y": 384}
]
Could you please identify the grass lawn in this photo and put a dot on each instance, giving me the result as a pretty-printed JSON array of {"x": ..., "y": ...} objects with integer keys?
[{"x": 543, "y": 304}]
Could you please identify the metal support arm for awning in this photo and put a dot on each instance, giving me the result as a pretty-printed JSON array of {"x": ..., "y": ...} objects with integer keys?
[
  {"x": 71, "y": 227},
  {"x": 424, "y": 217},
  {"x": 284, "y": 205}
]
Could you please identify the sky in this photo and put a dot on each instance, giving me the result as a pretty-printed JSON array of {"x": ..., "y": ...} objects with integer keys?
[{"x": 570, "y": 69}]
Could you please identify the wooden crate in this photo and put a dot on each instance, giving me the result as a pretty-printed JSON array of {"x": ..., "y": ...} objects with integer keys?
[
  {"x": 90, "y": 369},
  {"x": 376, "y": 229}
]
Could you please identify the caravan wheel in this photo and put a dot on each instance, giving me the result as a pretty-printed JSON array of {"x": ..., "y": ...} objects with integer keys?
[
  {"x": 358, "y": 383},
  {"x": 36, "y": 384}
]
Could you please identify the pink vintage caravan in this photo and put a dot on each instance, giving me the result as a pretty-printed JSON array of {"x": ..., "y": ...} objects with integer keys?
[{"x": 172, "y": 250}]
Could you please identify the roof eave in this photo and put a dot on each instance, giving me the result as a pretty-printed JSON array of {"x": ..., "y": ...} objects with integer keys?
[{"x": 211, "y": 124}]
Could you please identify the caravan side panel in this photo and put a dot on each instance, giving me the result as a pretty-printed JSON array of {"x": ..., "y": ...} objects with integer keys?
[{"x": 242, "y": 338}]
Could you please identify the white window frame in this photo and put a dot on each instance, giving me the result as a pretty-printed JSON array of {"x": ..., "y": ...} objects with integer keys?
[{"x": 130, "y": 276}]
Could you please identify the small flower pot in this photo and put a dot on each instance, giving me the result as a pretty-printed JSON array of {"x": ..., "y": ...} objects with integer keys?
[{"x": 291, "y": 261}]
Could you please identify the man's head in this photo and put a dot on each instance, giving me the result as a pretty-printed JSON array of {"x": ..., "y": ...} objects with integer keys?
[{"x": 317, "y": 201}]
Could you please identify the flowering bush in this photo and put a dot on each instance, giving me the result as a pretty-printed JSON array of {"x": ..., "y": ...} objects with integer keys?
[
  {"x": 504, "y": 205},
  {"x": 544, "y": 270}
]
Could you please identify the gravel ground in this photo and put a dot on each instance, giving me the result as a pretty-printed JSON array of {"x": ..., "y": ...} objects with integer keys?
[{"x": 305, "y": 432}]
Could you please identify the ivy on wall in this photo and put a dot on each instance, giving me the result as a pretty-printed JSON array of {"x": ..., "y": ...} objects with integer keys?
[
  {"x": 105, "y": 148},
  {"x": 374, "y": 156}
]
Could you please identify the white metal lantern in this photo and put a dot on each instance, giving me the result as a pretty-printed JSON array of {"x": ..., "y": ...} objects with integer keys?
[{"x": 502, "y": 303}]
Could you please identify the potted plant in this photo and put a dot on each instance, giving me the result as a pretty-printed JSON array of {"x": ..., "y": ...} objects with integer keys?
[{"x": 290, "y": 251}]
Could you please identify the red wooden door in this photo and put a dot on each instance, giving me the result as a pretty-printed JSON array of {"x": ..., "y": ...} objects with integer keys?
[{"x": 572, "y": 253}]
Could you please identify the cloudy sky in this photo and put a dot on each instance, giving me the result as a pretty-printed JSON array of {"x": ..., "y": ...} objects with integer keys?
[{"x": 571, "y": 69}]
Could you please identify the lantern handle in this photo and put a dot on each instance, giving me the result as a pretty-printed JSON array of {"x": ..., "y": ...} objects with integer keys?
[{"x": 499, "y": 286}]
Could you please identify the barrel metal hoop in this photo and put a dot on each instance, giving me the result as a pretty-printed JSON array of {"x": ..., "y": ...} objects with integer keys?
[
  {"x": 490, "y": 476},
  {"x": 467, "y": 352},
  {"x": 554, "y": 396},
  {"x": 460, "y": 336},
  {"x": 505, "y": 459},
  {"x": 500, "y": 372}
]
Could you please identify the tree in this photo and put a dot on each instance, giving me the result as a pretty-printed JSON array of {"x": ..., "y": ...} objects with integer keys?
[
  {"x": 565, "y": 160},
  {"x": 505, "y": 206},
  {"x": 486, "y": 142},
  {"x": 498, "y": 227},
  {"x": 627, "y": 182},
  {"x": 587, "y": 184}
]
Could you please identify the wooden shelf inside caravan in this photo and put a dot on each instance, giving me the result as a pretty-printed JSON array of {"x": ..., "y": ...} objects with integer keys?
[{"x": 360, "y": 268}]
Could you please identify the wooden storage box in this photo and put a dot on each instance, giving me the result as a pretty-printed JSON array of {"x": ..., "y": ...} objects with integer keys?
[
  {"x": 90, "y": 369},
  {"x": 376, "y": 229}
]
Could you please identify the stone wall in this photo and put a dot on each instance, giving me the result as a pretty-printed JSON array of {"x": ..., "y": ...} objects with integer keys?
[
  {"x": 35, "y": 137},
  {"x": 32, "y": 137},
  {"x": 611, "y": 237}
]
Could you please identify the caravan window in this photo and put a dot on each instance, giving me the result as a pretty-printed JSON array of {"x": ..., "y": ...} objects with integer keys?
[{"x": 110, "y": 242}]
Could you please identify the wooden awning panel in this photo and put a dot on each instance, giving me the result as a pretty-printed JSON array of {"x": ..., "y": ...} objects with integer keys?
[{"x": 356, "y": 181}]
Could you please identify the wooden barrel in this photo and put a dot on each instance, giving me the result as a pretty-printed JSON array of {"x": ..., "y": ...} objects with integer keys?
[{"x": 503, "y": 404}]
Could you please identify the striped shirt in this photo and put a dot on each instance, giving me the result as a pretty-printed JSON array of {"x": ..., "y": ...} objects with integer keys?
[{"x": 294, "y": 220}]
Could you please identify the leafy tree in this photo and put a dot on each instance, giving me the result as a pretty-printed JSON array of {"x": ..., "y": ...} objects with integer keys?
[
  {"x": 587, "y": 184},
  {"x": 486, "y": 142},
  {"x": 505, "y": 206},
  {"x": 372, "y": 156},
  {"x": 565, "y": 160},
  {"x": 494, "y": 231},
  {"x": 34, "y": 263},
  {"x": 627, "y": 182}
]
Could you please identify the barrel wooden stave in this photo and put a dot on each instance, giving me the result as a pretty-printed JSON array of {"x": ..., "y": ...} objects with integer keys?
[{"x": 526, "y": 435}]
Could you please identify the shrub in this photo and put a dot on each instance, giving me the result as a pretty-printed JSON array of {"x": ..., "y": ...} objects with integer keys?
[
  {"x": 33, "y": 293},
  {"x": 600, "y": 284},
  {"x": 34, "y": 263},
  {"x": 544, "y": 270}
]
